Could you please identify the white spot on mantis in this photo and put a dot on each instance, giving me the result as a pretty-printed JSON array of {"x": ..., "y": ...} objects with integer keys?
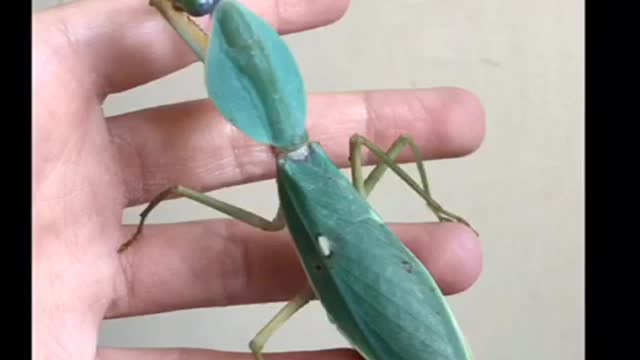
[
  {"x": 299, "y": 154},
  {"x": 325, "y": 246}
]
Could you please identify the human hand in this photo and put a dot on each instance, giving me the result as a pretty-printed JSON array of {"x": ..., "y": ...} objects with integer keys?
[{"x": 88, "y": 168}]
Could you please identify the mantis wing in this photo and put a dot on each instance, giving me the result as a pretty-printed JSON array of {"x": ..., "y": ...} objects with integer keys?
[
  {"x": 253, "y": 78},
  {"x": 374, "y": 289}
]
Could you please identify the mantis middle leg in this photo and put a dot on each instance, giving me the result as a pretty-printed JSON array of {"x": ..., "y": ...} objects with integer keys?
[
  {"x": 235, "y": 212},
  {"x": 387, "y": 160}
]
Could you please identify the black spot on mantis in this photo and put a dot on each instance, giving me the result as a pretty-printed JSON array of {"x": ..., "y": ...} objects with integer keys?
[{"x": 407, "y": 266}]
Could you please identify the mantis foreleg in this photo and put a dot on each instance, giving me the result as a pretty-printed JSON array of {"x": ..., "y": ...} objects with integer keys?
[
  {"x": 387, "y": 160},
  {"x": 257, "y": 344},
  {"x": 237, "y": 213}
]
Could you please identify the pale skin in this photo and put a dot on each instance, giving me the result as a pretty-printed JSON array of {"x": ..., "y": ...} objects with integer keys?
[{"x": 89, "y": 167}]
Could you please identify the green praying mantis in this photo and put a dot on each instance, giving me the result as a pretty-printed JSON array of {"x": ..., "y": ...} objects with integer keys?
[{"x": 377, "y": 293}]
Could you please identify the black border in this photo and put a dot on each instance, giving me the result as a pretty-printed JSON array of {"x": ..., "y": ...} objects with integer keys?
[
  {"x": 610, "y": 104},
  {"x": 589, "y": 107},
  {"x": 18, "y": 271}
]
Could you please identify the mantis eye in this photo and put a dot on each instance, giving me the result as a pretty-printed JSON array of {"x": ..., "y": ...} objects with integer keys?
[{"x": 196, "y": 7}]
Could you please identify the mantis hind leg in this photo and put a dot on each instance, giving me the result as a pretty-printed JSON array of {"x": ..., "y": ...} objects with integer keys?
[
  {"x": 298, "y": 302},
  {"x": 387, "y": 160},
  {"x": 237, "y": 213}
]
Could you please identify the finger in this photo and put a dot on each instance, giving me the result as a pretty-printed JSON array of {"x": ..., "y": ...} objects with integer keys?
[
  {"x": 202, "y": 354},
  {"x": 127, "y": 43},
  {"x": 192, "y": 145},
  {"x": 224, "y": 262}
]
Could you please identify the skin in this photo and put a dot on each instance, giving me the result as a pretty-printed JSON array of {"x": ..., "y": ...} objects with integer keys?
[{"x": 89, "y": 167}]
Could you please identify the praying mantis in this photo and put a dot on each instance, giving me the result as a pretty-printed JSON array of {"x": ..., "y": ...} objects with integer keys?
[{"x": 373, "y": 288}]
